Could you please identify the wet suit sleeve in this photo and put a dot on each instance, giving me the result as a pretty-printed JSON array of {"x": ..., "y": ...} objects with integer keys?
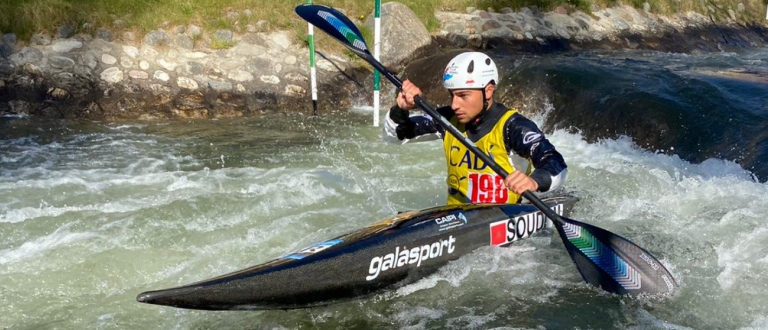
[
  {"x": 404, "y": 127},
  {"x": 526, "y": 139}
]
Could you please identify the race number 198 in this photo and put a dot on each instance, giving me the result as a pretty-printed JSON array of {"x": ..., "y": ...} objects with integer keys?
[{"x": 487, "y": 188}]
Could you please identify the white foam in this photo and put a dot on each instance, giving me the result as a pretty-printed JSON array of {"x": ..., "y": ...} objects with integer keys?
[
  {"x": 748, "y": 254},
  {"x": 646, "y": 320},
  {"x": 31, "y": 249},
  {"x": 759, "y": 323}
]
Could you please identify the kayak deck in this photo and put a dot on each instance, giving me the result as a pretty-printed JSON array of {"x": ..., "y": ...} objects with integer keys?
[{"x": 385, "y": 255}]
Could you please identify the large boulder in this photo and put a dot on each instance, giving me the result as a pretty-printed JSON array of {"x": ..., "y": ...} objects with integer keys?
[{"x": 403, "y": 36}]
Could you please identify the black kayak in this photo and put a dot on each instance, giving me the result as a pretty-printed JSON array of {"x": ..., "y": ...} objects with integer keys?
[{"x": 386, "y": 255}]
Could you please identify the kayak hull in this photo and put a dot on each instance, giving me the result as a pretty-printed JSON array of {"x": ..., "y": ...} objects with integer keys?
[{"x": 385, "y": 255}]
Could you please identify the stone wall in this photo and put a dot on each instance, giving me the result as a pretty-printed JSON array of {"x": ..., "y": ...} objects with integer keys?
[
  {"x": 165, "y": 76},
  {"x": 621, "y": 27},
  {"x": 175, "y": 72}
]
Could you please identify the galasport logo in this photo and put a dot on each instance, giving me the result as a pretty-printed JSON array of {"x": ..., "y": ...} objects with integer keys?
[
  {"x": 402, "y": 257},
  {"x": 510, "y": 230}
]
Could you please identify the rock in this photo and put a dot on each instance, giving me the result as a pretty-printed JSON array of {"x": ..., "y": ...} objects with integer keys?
[
  {"x": 240, "y": 76},
  {"x": 136, "y": 74},
  {"x": 294, "y": 90},
  {"x": 32, "y": 70},
  {"x": 194, "y": 30},
  {"x": 186, "y": 83},
  {"x": 157, "y": 38},
  {"x": 126, "y": 62},
  {"x": 272, "y": 80},
  {"x": 20, "y": 107},
  {"x": 27, "y": 55},
  {"x": 66, "y": 46},
  {"x": 194, "y": 101},
  {"x": 149, "y": 52},
  {"x": 65, "y": 31},
  {"x": 5, "y": 51},
  {"x": 170, "y": 66},
  {"x": 39, "y": 39},
  {"x": 131, "y": 51},
  {"x": 144, "y": 65},
  {"x": 281, "y": 39},
  {"x": 104, "y": 34},
  {"x": 6, "y": 68},
  {"x": 194, "y": 68},
  {"x": 220, "y": 86},
  {"x": 563, "y": 34},
  {"x": 9, "y": 39},
  {"x": 61, "y": 62},
  {"x": 402, "y": 34},
  {"x": 108, "y": 59},
  {"x": 490, "y": 25},
  {"x": 195, "y": 55},
  {"x": 128, "y": 36},
  {"x": 58, "y": 94},
  {"x": 184, "y": 42},
  {"x": 223, "y": 36},
  {"x": 90, "y": 60},
  {"x": 112, "y": 75},
  {"x": 161, "y": 75}
]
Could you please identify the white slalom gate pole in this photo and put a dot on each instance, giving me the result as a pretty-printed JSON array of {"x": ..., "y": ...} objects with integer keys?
[
  {"x": 312, "y": 70},
  {"x": 376, "y": 55}
]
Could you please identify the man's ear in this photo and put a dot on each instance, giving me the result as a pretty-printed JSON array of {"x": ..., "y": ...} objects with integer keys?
[{"x": 489, "y": 89}]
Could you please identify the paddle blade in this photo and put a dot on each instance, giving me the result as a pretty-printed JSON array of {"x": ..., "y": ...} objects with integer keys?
[
  {"x": 612, "y": 262},
  {"x": 336, "y": 25}
]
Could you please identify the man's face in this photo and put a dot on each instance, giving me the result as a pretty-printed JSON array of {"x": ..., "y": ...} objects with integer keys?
[{"x": 468, "y": 103}]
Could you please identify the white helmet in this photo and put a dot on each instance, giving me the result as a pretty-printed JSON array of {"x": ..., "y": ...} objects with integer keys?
[{"x": 470, "y": 70}]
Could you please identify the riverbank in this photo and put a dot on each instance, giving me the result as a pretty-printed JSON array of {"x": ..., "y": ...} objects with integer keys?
[{"x": 176, "y": 72}]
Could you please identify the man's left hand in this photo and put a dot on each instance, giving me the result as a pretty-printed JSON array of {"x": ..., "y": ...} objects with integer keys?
[{"x": 518, "y": 183}]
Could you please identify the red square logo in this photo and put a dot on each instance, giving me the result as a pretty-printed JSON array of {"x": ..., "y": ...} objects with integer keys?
[{"x": 499, "y": 232}]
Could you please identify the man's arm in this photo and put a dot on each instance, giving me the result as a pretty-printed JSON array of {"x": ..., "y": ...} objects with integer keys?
[
  {"x": 522, "y": 136},
  {"x": 401, "y": 127}
]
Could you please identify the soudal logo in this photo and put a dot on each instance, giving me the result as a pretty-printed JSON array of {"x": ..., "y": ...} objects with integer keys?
[
  {"x": 510, "y": 230},
  {"x": 403, "y": 257}
]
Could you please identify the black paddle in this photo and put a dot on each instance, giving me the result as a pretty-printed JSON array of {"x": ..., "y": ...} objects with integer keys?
[{"x": 604, "y": 259}]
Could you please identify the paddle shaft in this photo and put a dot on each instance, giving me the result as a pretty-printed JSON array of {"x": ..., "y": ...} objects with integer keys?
[{"x": 463, "y": 139}]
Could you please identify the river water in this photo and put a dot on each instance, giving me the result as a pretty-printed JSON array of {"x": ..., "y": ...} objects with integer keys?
[{"x": 92, "y": 213}]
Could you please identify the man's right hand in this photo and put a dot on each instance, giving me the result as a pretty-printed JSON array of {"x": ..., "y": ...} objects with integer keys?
[{"x": 405, "y": 97}]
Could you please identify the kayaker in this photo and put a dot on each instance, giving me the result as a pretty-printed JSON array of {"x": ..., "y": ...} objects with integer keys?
[{"x": 512, "y": 140}]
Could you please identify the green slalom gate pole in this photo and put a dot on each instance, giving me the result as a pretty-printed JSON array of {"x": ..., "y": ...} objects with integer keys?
[
  {"x": 376, "y": 54},
  {"x": 312, "y": 70}
]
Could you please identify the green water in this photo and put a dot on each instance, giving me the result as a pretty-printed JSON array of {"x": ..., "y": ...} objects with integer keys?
[{"x": 91, "y": 214}]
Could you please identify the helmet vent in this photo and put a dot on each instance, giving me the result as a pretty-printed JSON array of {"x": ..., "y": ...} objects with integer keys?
[{"x": 471, "y": 66}]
